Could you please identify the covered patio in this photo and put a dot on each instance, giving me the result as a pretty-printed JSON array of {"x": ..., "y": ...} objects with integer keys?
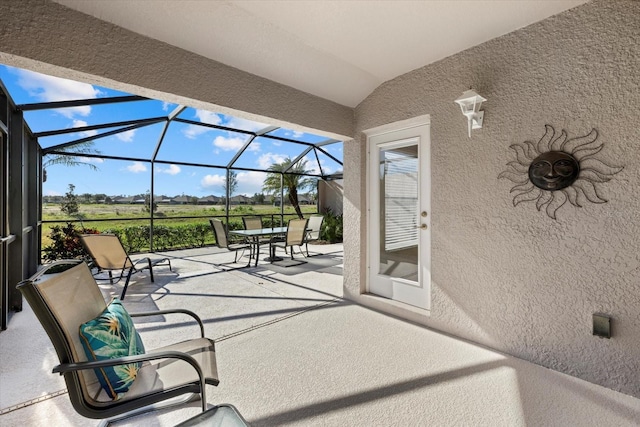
[
  {"x": 288, "y": 350},
  {"x": 518, "y": 284}
]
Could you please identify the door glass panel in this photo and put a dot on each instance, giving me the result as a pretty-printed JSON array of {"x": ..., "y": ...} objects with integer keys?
[{"x": 399, "y": 197}]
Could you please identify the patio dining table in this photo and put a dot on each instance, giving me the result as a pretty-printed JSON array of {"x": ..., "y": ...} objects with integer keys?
[{"x": 254, "y": 237}]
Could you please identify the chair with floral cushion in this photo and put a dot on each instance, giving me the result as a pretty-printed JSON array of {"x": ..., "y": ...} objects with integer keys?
[{"x": 108, "y": 373}]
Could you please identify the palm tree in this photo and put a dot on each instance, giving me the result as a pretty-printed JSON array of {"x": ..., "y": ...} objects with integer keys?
[
  {"x": 292, "y": 181},
  {"x": 71, "y": 159}
]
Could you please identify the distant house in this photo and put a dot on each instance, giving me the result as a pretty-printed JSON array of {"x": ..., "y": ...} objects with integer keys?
[
  {"x": 240, "y": 200},
  {"x": 124, "y": 200},
  {"x": 305, "y": 199},
  {"x": 163, "y": 200},
  {"x": 209, "y": 200},
  {"x": 180, "y": 200}
]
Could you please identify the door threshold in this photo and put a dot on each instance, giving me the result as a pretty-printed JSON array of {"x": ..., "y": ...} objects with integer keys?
[{"x": 394, "y": 308}]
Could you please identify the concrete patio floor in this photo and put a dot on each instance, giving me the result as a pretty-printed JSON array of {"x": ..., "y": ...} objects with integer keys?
[{"x": 291, "y": 351}]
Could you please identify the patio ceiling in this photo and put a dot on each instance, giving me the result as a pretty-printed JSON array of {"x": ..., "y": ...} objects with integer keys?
[{"x": 340, "y": 51}]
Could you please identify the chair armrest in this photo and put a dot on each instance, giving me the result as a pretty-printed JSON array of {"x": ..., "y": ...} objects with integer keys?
[
  {"x": 172, "y": 311},
  {"x": 80, "y": 366}
]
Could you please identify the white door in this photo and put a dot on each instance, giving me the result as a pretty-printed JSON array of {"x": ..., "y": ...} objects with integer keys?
[{"x": 399, "y": 212}]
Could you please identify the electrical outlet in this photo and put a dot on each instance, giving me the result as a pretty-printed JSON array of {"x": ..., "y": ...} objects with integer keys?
[{"x": 602, "y": 325}]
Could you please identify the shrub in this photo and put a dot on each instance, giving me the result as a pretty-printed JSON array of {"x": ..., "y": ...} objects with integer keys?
[
  {"x": 136, "y": 238},
  {"x": 66, "y": 243},
  {"x": 331, "y": 227}
]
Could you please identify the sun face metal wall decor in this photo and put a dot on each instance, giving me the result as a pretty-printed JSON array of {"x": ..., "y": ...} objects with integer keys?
[{"x": 557, "y": 170}]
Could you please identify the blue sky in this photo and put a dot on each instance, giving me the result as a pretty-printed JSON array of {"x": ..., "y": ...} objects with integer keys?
[{"x": 182, "y": 143}]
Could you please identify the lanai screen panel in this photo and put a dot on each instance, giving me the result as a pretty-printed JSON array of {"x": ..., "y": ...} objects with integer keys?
[
  {"x": 263, "y": 152},
  {"x": 137, "y": 143},
  {"x": 329, "y": 165},
  {"x": 107, "y": 180},
  {"x": 297, "y": 135},
  {"x": 188, "y": 143}
]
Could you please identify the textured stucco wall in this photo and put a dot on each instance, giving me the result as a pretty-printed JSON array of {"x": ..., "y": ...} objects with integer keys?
[
  {"x": 43, "y": 36},
  {"x": 511, "y": 277}
]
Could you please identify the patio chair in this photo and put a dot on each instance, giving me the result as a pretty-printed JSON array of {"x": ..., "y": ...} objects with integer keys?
[
  {"x": 255, "y": 223},
  {"x": 108, "y": 254},
  {"x": 313, "y": 230},
  {"x": 252, "y": 222},
  {"x": 222, "y": 239},
  {"x": 296, "y": 232},
  {"x": 66, "y": 302}
]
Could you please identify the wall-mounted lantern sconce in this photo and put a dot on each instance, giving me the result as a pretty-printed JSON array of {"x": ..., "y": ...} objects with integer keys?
[{"x": 470, "y": 103}]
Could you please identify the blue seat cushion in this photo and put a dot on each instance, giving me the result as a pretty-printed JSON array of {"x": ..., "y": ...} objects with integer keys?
[{"x": 110, "y": 335}]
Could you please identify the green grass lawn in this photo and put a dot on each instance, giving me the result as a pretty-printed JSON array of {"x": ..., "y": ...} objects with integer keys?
[{"x": 118, "y": 216}]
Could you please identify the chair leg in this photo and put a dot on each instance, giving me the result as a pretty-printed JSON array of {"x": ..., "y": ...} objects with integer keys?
[
  {"x": 126, "y": 284},
  {"x": 150, "y": 269},
  {"x": 110, "y": 278},
  {"x": 306, "y": 245}
]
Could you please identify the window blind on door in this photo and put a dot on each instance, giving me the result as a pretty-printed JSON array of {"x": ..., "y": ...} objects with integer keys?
[{"x": 401, "y": 200}]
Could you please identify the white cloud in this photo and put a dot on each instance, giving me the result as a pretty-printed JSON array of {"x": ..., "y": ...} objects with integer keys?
[
  {"x": 234, "y": 143},
  {"x": 212, "y": 181},
  {"x": 193, "y": 131},
  {"x": 312, "y": 165},
  {"x": 250, "y": 183},
  {"x": 294, "y": 134},
  {"x": 208, "y": 117},
  {"x": 166, "y": 105},
  {"x": 267, "y": 159},
  {"x": 49, "y": 89},
  {"x": 91, "y": 160},
  {"x": 244, "y": 124},
  {"x": 137, "y": 167},
  {"x": 171, "y": 170},
  {"x": 126, "y": 136},
  {"x": 82, "y": 123}
]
